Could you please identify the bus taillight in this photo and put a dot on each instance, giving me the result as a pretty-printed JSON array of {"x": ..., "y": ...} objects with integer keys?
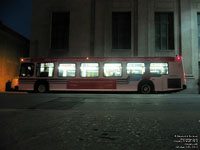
[
  {"x": 184, "y": 77},
  {"x": 178, "y": 58}
]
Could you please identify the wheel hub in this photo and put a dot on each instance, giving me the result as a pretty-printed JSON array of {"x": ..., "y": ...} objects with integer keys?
[
  {"x": 146, "y": 89},
  {"x": 41, "y": 88}
]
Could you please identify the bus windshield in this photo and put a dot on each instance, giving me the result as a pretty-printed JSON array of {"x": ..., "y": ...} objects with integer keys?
[{"x": 27, "y": 70}]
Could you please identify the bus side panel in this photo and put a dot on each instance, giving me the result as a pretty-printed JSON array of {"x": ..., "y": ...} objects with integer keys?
[
  {"x": 129, "y": 86},
  {"x": 171, "y": 81},
  {"x": 26, "y": 85},
  {"x": 57, "y": 84},
  {"x": 158, "y": 83}
]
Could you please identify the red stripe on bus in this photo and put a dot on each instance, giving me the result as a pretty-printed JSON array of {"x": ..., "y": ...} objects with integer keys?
[{"x": 91, "y": 84}]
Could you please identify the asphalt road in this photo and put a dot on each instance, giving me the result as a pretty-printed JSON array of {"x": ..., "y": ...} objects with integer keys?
[{"x": 97, "y": 121}]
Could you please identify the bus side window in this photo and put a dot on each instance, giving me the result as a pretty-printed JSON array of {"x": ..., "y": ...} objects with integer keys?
[
  {"x": 159, "y": 68},
  {"x": 112, "y": 69},
  {"x": 67, "y": 70},
  {"x": 89, "y": 70},
  {"x": 45, "y": 69},
  {"x": 27, "y": 70},
  {"x": 135, "y": 68}
]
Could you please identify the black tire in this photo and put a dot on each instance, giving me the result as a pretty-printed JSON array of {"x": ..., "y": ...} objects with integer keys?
[
  {"x": 146, "y": 88},
  {"x": 41, "y": 88}
]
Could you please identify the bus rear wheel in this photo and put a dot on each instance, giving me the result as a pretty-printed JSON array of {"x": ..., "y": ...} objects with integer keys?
[
  {"x": 146, "y": 88},
  {"x": 41, "y": 88}
]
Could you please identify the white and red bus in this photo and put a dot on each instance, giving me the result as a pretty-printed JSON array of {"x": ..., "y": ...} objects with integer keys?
[{"x": 142, "y": 74}]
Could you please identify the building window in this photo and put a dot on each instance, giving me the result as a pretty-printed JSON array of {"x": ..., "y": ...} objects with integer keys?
[
  {"x": 198, "y": 21},
  {"x": 121, "y": 30},
  {"x": 60, "y": 30},
  {"x": 164, "y": 31}
]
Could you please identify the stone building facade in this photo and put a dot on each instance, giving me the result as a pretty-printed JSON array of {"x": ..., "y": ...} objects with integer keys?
[
  {"x": 62, "y": 28},
  {"x": 12, "y": 47}
]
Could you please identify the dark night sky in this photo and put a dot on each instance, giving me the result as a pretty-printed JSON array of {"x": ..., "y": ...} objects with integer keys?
[{"x": 16, "y": 14}]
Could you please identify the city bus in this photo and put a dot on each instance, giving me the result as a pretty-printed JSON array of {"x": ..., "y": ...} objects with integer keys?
[{"x": 142, "y": 74}]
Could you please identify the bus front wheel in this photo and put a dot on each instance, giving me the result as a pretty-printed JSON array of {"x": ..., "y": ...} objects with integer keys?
[
  {"x": 41, "y": 88},
  {"x": 146, "y": 88}
]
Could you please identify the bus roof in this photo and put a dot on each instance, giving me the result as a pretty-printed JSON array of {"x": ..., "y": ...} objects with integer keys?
[{"x": 101, "y": 59}]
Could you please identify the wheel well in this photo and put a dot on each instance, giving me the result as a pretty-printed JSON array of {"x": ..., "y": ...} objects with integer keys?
[
  {"x": 146, "y": 81},
  {"x": 38, "y": 82}
]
